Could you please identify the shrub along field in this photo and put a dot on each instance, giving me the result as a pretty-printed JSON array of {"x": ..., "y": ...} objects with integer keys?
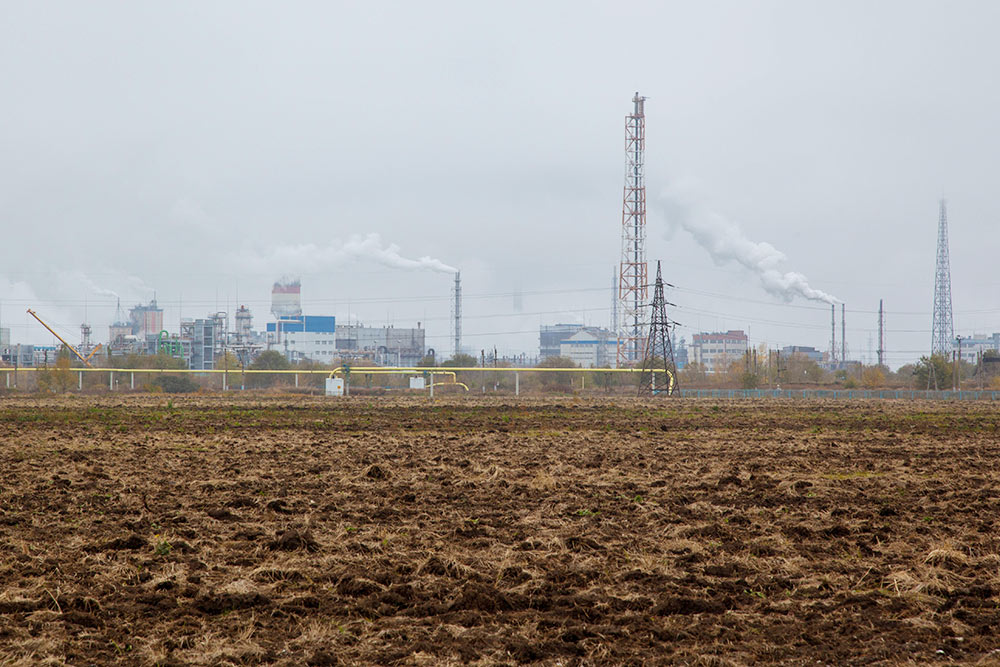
[{"x": 253, "y": 530}]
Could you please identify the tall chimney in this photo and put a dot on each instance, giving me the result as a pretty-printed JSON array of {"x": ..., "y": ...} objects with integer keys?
[{"x": 456, "y": 313}]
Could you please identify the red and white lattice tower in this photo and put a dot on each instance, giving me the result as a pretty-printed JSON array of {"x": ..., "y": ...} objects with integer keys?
[{"x": 633, "y": 284}]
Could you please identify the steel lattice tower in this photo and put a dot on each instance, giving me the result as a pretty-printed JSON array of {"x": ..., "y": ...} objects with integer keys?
[
  {"x": 633, "y": 287},
  {"x": 942, "y": 326},
  {"x": 659, "y": 372}
]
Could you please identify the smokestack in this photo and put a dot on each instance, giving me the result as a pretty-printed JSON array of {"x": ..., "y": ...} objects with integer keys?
[
  {"x": 833, "y": 333},
  {"x": 456, "y": 311},
  {"x": 843, "y": 334}
]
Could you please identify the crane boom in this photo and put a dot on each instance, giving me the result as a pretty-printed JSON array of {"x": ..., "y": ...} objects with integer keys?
[
  {"x": 61, "y": 339},
  {"x": 94, "y": 351}
]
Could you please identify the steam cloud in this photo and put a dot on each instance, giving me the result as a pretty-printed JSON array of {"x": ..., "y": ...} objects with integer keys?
[
  {"x": 726, "y": 243},
  {"x": 309, "y": 256},
  {"x": 100, "y": 291}
]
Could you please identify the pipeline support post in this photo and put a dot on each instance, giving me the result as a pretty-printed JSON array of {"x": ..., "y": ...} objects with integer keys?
[
  {"x": 132, "y": 381},
  {"x": 80, "y": 380},
  {"x": 432, "y": 385},
  {"x": 111, "y": 380},
  {"x": 296, "y": 380},
  {"x": 517, "y": 383}
]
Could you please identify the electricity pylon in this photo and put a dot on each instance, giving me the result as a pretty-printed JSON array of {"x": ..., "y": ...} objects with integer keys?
[{"x": 659, "y": 371}]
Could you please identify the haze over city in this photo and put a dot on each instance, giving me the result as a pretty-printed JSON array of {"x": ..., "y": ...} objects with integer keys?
[{"x": 202, "y": 151}]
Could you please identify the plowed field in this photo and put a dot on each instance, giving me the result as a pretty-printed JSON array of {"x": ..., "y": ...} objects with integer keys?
[{"x": 305, "y": 531}]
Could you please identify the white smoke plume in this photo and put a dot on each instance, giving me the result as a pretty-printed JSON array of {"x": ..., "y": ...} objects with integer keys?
[
  {"x": 100, "y": 291},
  {"x": 136, "y": 284},
  {"x": 311, "y": 257},
  {"x": 727, "y": 244},
  {"x": 71, "y": 281}
]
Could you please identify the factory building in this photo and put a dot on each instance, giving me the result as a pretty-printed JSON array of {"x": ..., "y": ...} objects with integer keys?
[
  {"x": 976, "y": 344},
  {"x": 551, "y": 337},
  {"x": 590, "y": 347},
  {"x": 802, "y": 351},
  {"x": 119, "y": 333},
  {"x": 146, "y": 320},
  {"x": 25, "y": 354},
  {"x": 139, "y": 334},
  {"x": 244, "y": 326},
  {"x": 385, "y": 346},
  {"x": 716, "y": 351},
  {"x": 46, "y": 355},
  {"x": 680, "y": 354},
  {"x": 198, "y": 339},
  {"x": 18, "y": 355},
  {"x": 304, "y": 337}
]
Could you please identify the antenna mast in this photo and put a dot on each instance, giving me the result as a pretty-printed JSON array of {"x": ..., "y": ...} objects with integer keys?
[
  {"x": 633, "y": 288},
  {"x": 942, "y": 326}
]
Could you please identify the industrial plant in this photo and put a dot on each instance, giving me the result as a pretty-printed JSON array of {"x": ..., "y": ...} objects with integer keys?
[{"x": 222, "y": 337}]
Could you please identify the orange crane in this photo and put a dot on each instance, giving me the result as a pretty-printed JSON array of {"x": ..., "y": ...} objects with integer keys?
[
  {"x": 62, "y": 340},
  {"x": 94, "y": 351}
]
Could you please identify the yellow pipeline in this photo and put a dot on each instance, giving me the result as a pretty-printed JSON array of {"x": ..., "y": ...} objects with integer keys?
[
  {"x": 449, "y": 370},
  {"x": 373, "y": 370}
]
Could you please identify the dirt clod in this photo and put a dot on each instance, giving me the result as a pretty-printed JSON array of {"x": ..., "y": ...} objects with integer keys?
[
  {"x": 130, "y": 543},
  {"x": 294, "y": 539},
  {"x": 375, "y": 471}
]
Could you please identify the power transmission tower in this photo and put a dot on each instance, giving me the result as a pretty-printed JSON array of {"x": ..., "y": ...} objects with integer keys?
[
  {"x": 633, "y": 284},
  {"x": 659, "y": 372},
  {"x": 942, "y": 326}
]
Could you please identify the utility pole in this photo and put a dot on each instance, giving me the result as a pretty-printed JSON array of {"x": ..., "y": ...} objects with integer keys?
[
  {"x": 843, "y": 335},
  {"x": 979, "y": 368},
  {"x": 881, "y": 334},
  {"x": 833, "y": 335},
  {"x": 958, "y": 365},
  {"x": 614, "y": 300}
]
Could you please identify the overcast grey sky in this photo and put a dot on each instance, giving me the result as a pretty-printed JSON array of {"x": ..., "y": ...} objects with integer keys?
[{"x": 193, "y": 147}]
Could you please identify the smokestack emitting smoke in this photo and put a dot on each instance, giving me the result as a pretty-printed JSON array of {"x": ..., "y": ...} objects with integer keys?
[
  {"x": 726, "y": 243},
  {"x": 309, "y": 256}
]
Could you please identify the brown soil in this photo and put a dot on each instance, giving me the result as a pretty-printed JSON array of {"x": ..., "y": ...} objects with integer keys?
[{"x": 308, "y": 531}]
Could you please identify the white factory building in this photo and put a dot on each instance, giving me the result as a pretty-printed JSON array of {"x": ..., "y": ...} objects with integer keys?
[
  {"x": 590, "y": 347},
  {"x": 304, "y": 337}
]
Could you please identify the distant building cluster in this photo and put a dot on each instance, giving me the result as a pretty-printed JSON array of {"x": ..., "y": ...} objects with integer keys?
[
  {"x": 975, "y": 346},
  {"x": 802, "y": 351},
  {"x": 202, "y": 342}
]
